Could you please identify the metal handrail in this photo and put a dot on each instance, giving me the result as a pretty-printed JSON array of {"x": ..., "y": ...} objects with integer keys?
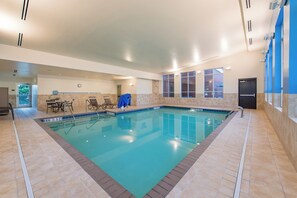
[
  {"x": 241, "y": 109},
  {"x": 11, "y": 109}
]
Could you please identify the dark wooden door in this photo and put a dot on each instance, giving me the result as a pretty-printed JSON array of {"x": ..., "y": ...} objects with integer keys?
[{"x": 247, "y": 93}]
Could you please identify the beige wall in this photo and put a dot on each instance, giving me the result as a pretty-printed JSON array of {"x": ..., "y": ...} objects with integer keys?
[
  {"x": 46, "y": 84},
  {"x": 144, "y": 86},
  {"x": 128, "y": 85},
  {"x": 243, "y": 65},
  {"x": 285, "y": 127}
]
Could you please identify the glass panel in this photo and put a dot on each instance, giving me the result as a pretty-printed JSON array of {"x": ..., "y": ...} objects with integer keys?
[
  {"x": 165, "y": 86},
  {"x": 24, "y": 94},
  {"x": 192, "y": 94},
  {"x": 184, "y": 84},
  {"x": 208, "y": 86},
  {"x": 218, "y": 94},
  {"x": 184, "y": 94},
  {"x": 218, "y": 82},
  {"x": 192, "y": 84},
  {"x": 208, "y": 95},
  {"x": 171, "y": 85},
  {"x": 218, "y": 71},
  {"x": 171, "y": 94},
  {"x": 207, "y": 71},
  {"x": 193, "y": 73},
  {"x": 185, "y": 74}
]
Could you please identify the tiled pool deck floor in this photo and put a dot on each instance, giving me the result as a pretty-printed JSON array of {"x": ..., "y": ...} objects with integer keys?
[{"x": 53, "y": 173}]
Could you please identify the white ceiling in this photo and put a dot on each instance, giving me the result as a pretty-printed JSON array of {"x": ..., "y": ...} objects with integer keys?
[{"x": 147, "y": 35}]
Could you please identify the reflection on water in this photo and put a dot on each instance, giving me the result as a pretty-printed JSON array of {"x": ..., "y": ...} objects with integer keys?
[{"x": 189, "y": 128}]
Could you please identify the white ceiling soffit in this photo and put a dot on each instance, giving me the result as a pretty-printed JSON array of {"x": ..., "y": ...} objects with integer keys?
[
  {"x": 14, "y": 69},
  {"x": 148, "y": 35},
  {"x": 262, "y": 22}
]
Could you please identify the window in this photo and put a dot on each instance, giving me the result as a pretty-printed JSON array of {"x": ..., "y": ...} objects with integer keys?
[
  {"x": 278, "y": 62},
  {"x": 168, "y": 85},
  {"x": 291, "y": 85},
  {"x": 270, "y": 73},
  {"x": 188, "y": 84},
  {"x": 213, "y": 83}
]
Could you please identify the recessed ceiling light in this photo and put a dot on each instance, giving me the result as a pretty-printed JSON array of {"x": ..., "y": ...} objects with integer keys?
[
  {"x": 128, "y": 56},
  {"x": 174, "y": 64},
  {"x": 8, "y": 23},
  {"x": 196, "y": 56},
  {"x": 224, "y": 44}
]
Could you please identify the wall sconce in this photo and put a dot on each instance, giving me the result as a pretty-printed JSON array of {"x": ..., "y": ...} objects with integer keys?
[
  {"x": 228, "y": 68},
  {"x": 198, "y": 72},
  {"x": 79, "y": 85},
  {"x": 131, "y": 84},
  {"x": 176, "y": 74}
]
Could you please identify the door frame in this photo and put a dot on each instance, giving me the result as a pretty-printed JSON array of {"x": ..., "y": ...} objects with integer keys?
[{"x": 254, "y": 78}]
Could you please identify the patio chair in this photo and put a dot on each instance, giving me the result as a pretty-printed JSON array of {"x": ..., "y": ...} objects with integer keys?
[
  {"x": 68, "y": 104},
  {"x": 51, "y": 104},
  {"x": 108, "y": 103},
  {"x": 93, "y": 104}
]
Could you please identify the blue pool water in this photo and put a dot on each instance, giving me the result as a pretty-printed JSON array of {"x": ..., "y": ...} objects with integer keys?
[{"x": 138, "y": 149}]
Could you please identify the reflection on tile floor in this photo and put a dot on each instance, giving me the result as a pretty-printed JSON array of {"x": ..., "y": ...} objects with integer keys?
[{"x": 53, "y": 173}]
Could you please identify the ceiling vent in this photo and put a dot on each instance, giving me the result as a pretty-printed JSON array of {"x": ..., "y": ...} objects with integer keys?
[
  {"x": 249, "y": 25},
  {"x": 250, "y": 41},
  {"x": 248, "y": 4},
  {"x": 25, "y": 9},
  {"x": 20, "y": 39}
]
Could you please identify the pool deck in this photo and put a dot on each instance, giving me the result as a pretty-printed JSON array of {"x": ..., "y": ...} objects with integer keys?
[{"x": 53, "y": 173}]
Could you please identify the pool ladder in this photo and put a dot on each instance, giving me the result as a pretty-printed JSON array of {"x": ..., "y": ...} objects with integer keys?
[
  {"x": 66, "y": 104},
  {"x": 241, "y": 109}
]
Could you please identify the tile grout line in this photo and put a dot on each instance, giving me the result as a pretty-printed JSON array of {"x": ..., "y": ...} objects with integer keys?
[
  {"x": 240, "y": 169},
  {"x": 23, "y": 164}
]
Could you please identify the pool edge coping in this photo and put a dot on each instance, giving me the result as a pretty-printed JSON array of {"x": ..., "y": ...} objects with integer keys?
[{"x": 111, "y": 186}]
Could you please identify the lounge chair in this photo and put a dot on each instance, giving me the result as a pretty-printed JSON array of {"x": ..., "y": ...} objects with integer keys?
[
  {"x": 93, "y": 104},
  {"x": 107, "y": 103},
  {"x": 5, "y": 106}
]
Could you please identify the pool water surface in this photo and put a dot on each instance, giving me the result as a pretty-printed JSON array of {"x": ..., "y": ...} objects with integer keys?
[{"x": 137, "y": 149}]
